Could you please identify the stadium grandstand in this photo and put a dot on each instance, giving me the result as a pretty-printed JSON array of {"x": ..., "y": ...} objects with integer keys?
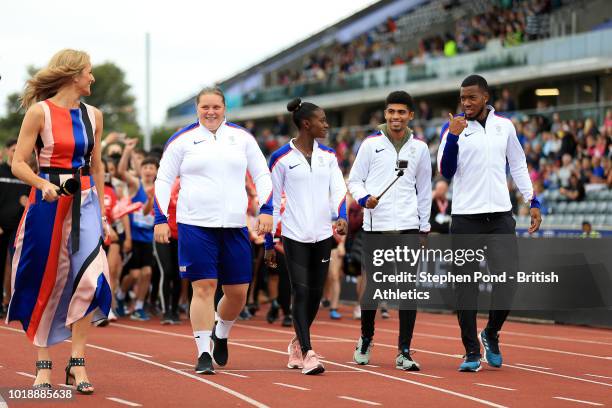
[{"x": 548, "y": 63}]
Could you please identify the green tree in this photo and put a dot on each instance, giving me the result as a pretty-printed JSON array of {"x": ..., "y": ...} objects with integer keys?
[
  {"x": 160, "y": 135},
  {"x": 111, "y": 94},
  {"x": 11, "y": 122}
]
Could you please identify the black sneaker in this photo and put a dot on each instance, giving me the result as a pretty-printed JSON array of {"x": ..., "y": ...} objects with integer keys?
[
  {"x": 325, "y": 303},
  {"x": 219, "y": 348},
  {"x": 272, "y": 315},
  {"x": 245, "y": 314},
  {"x": 175, "y": 318},
  {"x": 204, "y": 365},
  {"x": 287, "y": 321},
  {"x": 252, "y": 308},
  {"x": 167, "y": 319}
]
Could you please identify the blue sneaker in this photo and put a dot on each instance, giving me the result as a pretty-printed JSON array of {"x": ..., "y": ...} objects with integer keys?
[
  {"x": 491, "y": 346},
  {"x": 140, "y": 315},
  {"x": 471, "y": 363},
  {"x": 120, "y": 309},
  {"x": 334, "y": 314}
]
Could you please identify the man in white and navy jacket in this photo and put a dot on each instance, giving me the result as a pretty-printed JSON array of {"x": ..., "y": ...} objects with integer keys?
[
  {"x": 404, "y": 208},
  {"x": 475, "y": 147}
]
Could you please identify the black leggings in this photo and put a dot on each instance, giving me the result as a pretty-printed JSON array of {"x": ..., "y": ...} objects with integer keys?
[
  {"x": 284, "y": 287},
  {"x": 167, "y": 260},
  {"x": 308, "y": 264}
]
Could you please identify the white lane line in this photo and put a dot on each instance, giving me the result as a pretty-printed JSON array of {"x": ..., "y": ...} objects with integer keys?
[
  {"x": 232, "y": 374},
  {"x": 174, "y": 370},
  {"x": 533, "y": 366},
  {"x": 181, "y": 363},
  {"x": 66, "y": 386},
  {"x": 535, "y": 336},
  {"x": 26, "y": 374},
  {"x": 599, "y": 376},
  {"x": 431, "y": 387},
  {"x": 504, "y": 344},
  {"x": 496, "y": 386},
  {"x": 292, "y": 386},
  {"x": 559, "y": 375},
  {"x": 124, "y": 402},
  {"x": 434, "y": 353},
  {"x": 365, "y": 365},
  {"x": 597, "y": 404},
  {"x": 139, "y": 355},
  {"x": 424, "y": 375},
  {"x": 284, "y": 353},
  {"x": 377, "y": 344},
  {"x": 359, "y": 400}
]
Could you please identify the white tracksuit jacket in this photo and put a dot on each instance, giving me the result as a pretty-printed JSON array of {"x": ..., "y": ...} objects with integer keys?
[
  {"x": 212, "y": 168},
  {"x": 407, "y": 204}
]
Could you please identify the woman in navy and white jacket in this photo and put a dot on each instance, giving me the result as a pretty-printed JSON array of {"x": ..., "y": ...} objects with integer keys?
[{"x": 308, "y": 173}]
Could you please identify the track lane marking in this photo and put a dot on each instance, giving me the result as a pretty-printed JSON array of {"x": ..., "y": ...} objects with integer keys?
[
  {"x": 533, "y": 366},
  {"x": 379, "y": 345},
  {"x": 536, "y": 336},
  {"x": 496, "y": 386},
  {"x": 284, "y": 353},
  {"x": 292, "y": 386},
  {"x": 579, "y": 401},
  {"x": 599, "y": 376},
  {"x": 359, "y": 400},
  {"x": 124, "y": 402},
  {"x": 181, "y": 363},
  {"x": 174, "y": 370},
  {"x": 449, "y": 355},
  {"x": 25, "y": 374},
  {"x": 441, "y": 337},
  {"x": 139, "y": 355},
  {"x": 232, "y": 374}
]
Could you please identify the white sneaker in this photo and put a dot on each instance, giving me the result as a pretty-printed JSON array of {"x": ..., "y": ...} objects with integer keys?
[{"x": 112, "y": 317}]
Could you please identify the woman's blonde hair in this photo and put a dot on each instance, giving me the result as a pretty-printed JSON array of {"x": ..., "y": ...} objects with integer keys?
[{"x": 64, "y": 65}]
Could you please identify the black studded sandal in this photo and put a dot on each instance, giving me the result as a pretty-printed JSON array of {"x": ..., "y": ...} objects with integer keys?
[
  {"x": 80, "y": 387},
  {"x": 43, "y": 365}
]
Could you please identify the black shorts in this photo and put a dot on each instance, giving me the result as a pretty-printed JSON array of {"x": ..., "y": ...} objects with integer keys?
[{"x": 141, "y": 255}]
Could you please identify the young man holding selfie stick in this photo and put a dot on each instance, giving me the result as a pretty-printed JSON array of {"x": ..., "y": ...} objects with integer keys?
[{"x": 391, "y": 179}]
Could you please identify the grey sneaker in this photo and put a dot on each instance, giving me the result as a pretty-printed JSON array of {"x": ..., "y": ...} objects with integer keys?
[
  {"x": 404, "y": 361},
  {"x": 363, "y": 350}
]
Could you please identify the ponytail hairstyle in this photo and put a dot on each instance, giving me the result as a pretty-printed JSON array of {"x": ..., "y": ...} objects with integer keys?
[
  {"x": 301, "y": 111},
  {"x": 64, "y": 65}
]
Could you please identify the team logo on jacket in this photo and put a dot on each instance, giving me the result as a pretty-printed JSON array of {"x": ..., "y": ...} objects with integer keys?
[{"x": 321, "y": 162}]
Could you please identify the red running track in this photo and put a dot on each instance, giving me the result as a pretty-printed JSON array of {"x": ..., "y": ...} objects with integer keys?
[{"x": 147, "y": 364}]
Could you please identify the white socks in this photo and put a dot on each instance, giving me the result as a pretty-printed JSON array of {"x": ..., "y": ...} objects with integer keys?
[
  {"x": 202, "y": 339},
  {"x": 139, "y": 305},
  {"x": 222, "y": 330}
]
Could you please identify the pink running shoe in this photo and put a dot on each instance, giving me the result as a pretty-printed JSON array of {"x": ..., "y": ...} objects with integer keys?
[
  {"x": 295, "y": 354},
  {"x": 312, "y": 365}
]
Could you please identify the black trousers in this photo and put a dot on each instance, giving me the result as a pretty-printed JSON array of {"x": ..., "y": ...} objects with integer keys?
[
  {"x": 308, "y": 265},
  {"x": 7, "y": 241},
  {"x": 501, "y": 255},
  {"x": 167, "y": 261},
  {"x": 284, "y": 287},
  {"x": 407, "y": 315}
]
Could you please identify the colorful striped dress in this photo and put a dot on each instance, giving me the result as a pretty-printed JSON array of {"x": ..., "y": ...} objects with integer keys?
[{"x": 60, "y": 273}]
